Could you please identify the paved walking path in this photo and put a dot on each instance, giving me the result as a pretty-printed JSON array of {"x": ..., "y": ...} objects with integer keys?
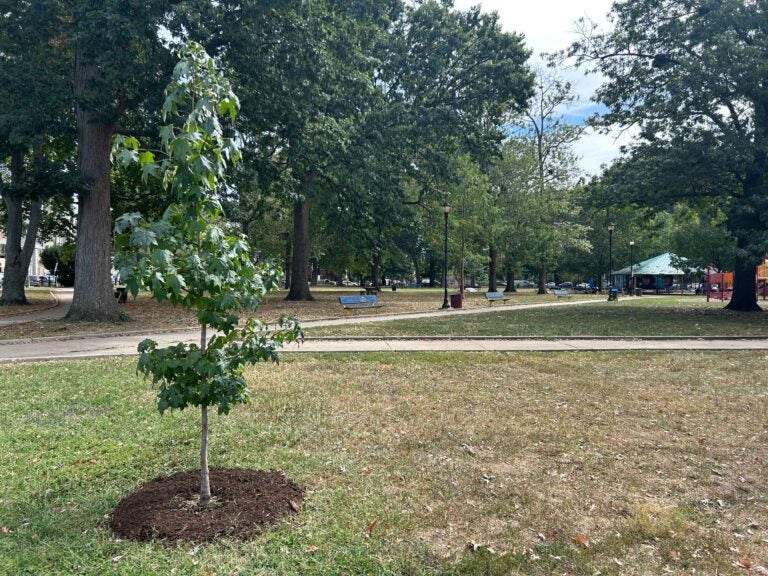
[
  {"x": 57, "y": 309},
  {"x": 108, "y": 345}
]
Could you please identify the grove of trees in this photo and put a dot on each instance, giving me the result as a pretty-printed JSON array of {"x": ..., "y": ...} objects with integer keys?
[{"x": 359, "y": 119}]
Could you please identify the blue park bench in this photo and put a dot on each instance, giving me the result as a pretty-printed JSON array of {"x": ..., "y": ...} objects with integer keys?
[
  {"x": 495, "y": 297},
  {"x": 561, "y": 294},
  {"x": 358, "y": 302}
]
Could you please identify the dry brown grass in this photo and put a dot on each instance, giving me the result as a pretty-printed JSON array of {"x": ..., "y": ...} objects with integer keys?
[
  {"x": 38, "y": 299},
  {"x": 657, "y": 459}
]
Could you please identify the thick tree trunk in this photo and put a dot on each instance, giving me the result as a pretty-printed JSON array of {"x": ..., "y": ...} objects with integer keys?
[
  {"x": 744, "y": 297},
  {"x": 18, "y": 251},
  {"x": 510, "y": 281},
  {"x": 491, "y": 268},
  {"x": 93, "y": 297},
  {"x": 299, "y": 290},
  {"x": 542, "y": 280}
]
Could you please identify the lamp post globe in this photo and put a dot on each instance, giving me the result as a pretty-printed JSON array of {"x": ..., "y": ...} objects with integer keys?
[{"x": 446, "y": 211}]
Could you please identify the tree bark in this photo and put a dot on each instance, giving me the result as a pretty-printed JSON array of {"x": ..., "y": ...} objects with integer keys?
[
  {"x": 375, "y": 265},
  {"x": 744, "y": 296},
  {"x": 542, "y": 280},
  {"x": 18, "y": 252},
  {"x": 205, "y": 476},
  {"x": 510, "y": 281},
  {"x": 299, "y": 290},
  {"x": 491, "y": 268},
  {"x": 93, "y": 297}
]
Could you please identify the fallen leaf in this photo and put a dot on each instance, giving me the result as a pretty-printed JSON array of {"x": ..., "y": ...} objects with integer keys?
[
  {"x": 674, "y": 554},
  {"x": 116, "y": 558},
  {"x": 368, "y": 529},
  {"x": 294, "y": 505},
  {"x": 311, "y": 549},
  {"x": 366, "y": 471},
  {"x": 743, "y": 563},
  {"x": 469, "y": 450},
  {"x": 581, "y": 540},
  {"x": 4, "y": 529}
]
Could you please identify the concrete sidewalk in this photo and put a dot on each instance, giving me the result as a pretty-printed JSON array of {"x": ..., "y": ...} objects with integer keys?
[{"x": 124, "y": 344}]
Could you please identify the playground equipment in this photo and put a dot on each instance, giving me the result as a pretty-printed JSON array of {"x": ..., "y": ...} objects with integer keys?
[{"x": 718, "y": 285}]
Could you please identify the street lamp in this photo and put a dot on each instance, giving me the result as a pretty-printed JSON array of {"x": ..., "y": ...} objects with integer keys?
[
  {"x": 610, "y": 253},
  {"x": 446, "y": 211},
  {"x": 632, "y": 265}
]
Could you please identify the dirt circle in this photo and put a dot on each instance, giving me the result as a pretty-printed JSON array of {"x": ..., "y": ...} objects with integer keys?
[{"x": 243, "y": 503}]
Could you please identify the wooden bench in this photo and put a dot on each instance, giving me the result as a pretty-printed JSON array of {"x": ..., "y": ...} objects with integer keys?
[
  {"x": 561, "y": 293},
  {"x": 495, "y": 297},
  {"x": 359, "y": 302}
]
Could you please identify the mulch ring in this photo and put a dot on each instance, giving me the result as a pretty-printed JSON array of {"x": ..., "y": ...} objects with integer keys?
[{"x": 243, "y": 502}]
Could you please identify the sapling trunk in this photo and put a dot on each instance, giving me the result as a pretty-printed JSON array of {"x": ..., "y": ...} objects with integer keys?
[{"x": 205, "y": 479}]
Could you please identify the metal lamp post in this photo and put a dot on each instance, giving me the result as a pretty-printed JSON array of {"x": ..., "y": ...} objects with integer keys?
[
  {"x": 610, "y": 254},
  {"x": 446, "y": 211},
  {"x": 632, "y": 266}
]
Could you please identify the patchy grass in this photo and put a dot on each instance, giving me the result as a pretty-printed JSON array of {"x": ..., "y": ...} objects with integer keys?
[
  {"x": 636, "y": 463},
  {"x": 37, "y": 298},
  {"x": 144, "y": 314},
  {"x": 657, "y": 316}
]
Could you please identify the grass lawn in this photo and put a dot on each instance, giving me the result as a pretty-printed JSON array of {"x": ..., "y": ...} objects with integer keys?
[
  {"x": 145, "y": 314},
  {"x": 635, "y": 463},
  {"x": 658, "y": 316}
]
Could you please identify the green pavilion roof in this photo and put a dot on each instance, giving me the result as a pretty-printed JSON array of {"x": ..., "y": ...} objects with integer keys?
[{"x": 658, "y": 265}]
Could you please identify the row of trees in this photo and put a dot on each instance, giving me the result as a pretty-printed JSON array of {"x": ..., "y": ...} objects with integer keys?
[{"x": 359, "y": 119}]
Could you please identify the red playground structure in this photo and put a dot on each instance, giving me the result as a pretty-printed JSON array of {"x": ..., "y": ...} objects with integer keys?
[{"x": 719, "y": 285}]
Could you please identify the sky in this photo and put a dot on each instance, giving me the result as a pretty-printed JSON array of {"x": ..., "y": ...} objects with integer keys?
[{"x": 548, "y": 26}]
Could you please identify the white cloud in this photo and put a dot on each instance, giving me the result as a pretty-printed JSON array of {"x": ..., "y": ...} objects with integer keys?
[{"x": 550, "y": 26}]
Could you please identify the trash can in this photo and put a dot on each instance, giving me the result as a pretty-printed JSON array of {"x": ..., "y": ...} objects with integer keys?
[
  {"x": 455, "y": 300},
  {"x": 394, "y": 288},
  {"x": 613, "y": 294},
  {"x": 638, "y": 291},
  {"x": 121, "y": 294}
]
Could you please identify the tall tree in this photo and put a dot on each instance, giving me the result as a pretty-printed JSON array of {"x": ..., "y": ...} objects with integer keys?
[
  {"x": 543, "y": 128},
  {"x": 34, "y": 112},
  {"x": 690, "y": 75}
]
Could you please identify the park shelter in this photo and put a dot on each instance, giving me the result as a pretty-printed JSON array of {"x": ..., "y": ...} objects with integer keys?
[{"x": 661, "y": 272}]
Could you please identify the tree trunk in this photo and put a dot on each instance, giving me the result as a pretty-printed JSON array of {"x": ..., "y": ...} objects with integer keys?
[
  {"x": 205, "y": 476},
  {"x": 510, "y": 281},
  {"x": 287, "y": 260},
  {"x": 315, "y": 273},
  {"x": 542, "y": 280},
  {"x": 461, "y": 268},
  {"x": 744, "y": 296},
  {"x": 491, "y": 268},
  {"x": 299, "y": 290},
  {"x": 375, "y": 264},
  {"x": 18, "y": 253},
  {"x": 93, "y": 298},
  {"x": 432, "y": 273}
]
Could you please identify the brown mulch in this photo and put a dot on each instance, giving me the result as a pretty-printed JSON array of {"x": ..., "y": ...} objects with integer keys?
[{"x": 243, "y": 503}]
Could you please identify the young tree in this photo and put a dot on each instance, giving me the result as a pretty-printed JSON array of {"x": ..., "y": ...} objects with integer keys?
[
  {"x": 190, "y": 258},
  {"x": 690, "y": 75}
]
